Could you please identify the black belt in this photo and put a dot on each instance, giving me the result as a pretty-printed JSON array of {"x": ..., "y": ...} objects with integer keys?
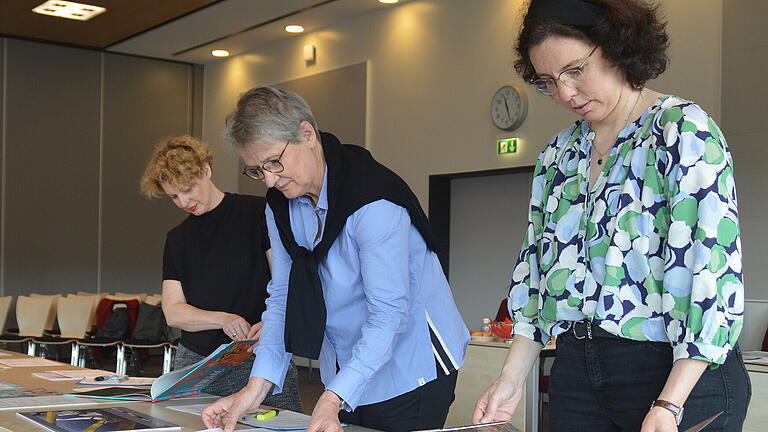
[{"x": 585, "y": 330}]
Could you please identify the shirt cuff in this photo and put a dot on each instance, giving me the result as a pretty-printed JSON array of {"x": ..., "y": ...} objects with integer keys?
[
  {"x": 701, "y": 351},
  {"x": 349, "y": 385},
  {"x": 271, "y": 366},
  {"x": 531, "y": 332}
]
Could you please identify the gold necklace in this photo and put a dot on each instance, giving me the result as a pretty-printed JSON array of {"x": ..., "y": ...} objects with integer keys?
[{"x": 626, "y": 122}]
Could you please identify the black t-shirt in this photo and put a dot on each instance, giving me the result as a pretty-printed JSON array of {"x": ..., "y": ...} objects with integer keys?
[{"x": 220, "y": 259}]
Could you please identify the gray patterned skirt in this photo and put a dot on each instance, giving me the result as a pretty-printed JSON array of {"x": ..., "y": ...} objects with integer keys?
[{"x": 235, "y": 379}]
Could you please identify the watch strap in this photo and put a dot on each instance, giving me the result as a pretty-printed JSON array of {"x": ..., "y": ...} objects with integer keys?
[
  {"x": 343, "y": 405},
  {"x": 669, "y": 406}
]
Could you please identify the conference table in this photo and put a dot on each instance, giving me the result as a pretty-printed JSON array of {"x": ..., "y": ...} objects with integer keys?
[{"x": 22, "y": 376}]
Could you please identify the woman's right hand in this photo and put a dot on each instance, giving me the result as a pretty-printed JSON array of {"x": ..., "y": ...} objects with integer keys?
[
  {"x": 235, "y": 326},
  {"x": 225, "y": 412},
  {"x": 499, "y": 401}
]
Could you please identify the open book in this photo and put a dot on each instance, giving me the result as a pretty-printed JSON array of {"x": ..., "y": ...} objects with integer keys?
[{"x": 186, "y": 381}]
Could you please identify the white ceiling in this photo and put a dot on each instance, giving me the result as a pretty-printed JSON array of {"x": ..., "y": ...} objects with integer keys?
[{"x": 229, "y": 17}]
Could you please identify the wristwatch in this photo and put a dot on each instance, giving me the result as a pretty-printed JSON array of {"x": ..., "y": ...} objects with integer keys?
[
  {"x": 343, "y": 405},
  {"x": 669, "y": 406}
]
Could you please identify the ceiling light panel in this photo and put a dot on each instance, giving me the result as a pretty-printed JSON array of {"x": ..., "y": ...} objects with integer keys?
[
  {"x": 70, "y": 10},
  {"x": 294, "y": 28}
]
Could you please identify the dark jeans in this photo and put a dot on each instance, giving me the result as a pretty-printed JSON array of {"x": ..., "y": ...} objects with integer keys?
[
  {"x": 425, "y": 407},
  {"x": 608, "y": 383}
]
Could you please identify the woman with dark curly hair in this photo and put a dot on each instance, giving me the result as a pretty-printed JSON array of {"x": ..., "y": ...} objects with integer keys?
[{"x": 632, "y": 255}]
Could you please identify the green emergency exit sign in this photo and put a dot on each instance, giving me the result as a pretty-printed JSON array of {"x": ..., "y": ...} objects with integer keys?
[{"x": 506, "y": 146}]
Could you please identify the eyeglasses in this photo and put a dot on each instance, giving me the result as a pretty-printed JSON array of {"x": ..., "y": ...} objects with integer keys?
[
  {"x": 274, "y": 166},
  {"x": 569, "y": 77}
]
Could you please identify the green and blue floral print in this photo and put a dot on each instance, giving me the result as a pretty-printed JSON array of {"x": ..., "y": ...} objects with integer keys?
[{"x": 651, "y": 251}]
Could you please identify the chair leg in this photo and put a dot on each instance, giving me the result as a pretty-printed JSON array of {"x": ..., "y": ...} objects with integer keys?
[
  {"x": 74, "y": 356},
  {"x": 167, "y": 358},
  {"x": 120, "y": 366},
  {"x": 31, "y": 348},
  {"x": 81, "y": 356},
  {"x": 133, "y": 359}
]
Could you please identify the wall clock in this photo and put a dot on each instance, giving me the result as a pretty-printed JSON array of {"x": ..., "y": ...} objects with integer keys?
[{"x": 509, "y": 107}]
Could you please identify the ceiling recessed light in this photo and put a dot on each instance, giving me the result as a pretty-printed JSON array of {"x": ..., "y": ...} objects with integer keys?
[
  {"x": 294, "y": 28},
  {"x": 388, "y": 1},
  {"x": 220, "y": 53},
  {"x": 70, "y": 10}
]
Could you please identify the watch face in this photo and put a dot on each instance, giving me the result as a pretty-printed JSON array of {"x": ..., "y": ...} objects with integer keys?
[{"x": 509, "y": 107}]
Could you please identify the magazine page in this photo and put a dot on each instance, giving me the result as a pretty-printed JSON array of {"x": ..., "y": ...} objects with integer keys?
[
  {"x": 123, "y": 381},
  {"x": 70, "y": 374},
  {"x": 97, "y": 420},
  {"x": 38, "y": 402},
  {"x": 118, "y": 393},
  {"x": 485, "y": 427},
  {"x": 8, "y": 390},
  {"x": 192, "y": 379},
  {"x": 282, "y": 421}
]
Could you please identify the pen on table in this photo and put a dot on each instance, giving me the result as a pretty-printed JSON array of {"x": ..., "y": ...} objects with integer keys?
[
  {"x": 118, "y": 378},
  {"x": 265, "y": 415}
]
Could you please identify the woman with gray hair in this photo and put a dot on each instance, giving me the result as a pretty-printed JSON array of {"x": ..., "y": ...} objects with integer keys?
[{"x": 355, "y": 279}]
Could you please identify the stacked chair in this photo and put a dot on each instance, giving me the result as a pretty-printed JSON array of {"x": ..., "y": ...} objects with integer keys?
[
  {"x": 104, "y": 310},
  {"x": 147, "y": 329},
  {"x": 32, "y": 315},
  {"x": 75, "y": 316},
  {"x": 80, "y": 320},
  {"x": 150, "y": 332},
  {"x": 12, "y": 335}
]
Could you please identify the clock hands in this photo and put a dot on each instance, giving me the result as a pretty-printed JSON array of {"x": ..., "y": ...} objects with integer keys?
[{"x": 509, "y": 115}]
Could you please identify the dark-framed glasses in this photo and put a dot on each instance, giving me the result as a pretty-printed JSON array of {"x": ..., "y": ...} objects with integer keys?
[
  {"x": 569, "y": 78},
  {"x": 273, "y": 166}
]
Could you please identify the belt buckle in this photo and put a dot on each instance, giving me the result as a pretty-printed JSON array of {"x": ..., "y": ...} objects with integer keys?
[{"x": 587, "y": 325}]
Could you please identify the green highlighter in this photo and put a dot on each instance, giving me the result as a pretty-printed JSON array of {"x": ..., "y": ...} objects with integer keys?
[{"x": 266, "y": 415}]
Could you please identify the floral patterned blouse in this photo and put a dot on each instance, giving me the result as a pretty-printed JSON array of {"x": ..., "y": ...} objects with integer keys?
[{"x": 651, "y": 251}]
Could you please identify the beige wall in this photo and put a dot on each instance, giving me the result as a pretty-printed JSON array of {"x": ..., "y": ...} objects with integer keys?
[
  {"x": 433, "y": 67},
  {"x": 745, "y": 58},
  {"x": 74, "y": 144}
]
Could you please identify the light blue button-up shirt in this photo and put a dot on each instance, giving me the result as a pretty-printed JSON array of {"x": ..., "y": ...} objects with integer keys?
[{"x": 383, "y": 291}]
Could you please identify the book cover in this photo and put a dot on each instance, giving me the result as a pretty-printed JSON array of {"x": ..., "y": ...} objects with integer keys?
[
  {"x": 97, "y": 420},
  {"x": 186, "y": 381}
]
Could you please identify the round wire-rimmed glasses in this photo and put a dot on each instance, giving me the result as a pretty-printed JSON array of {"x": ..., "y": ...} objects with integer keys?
[
  {"x": 569, "y": 77},
  {"x": 273, "y": 166}
]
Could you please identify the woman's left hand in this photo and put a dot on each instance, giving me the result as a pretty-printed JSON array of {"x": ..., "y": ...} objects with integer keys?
[
  {"x": 325, "y": 416},
  {"x": 659, "y": 420}
]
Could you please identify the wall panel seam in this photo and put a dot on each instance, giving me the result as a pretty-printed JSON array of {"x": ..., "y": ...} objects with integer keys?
[
  {"x": 99, "y": 239},
  {"x": 4, "y": 108}
]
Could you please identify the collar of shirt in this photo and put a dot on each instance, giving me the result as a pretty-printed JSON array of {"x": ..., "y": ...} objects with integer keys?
[{"x": 322, "y": 200}]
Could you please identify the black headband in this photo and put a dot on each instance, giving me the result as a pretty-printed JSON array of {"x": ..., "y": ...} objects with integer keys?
[{"x": 567, "y": 12}]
